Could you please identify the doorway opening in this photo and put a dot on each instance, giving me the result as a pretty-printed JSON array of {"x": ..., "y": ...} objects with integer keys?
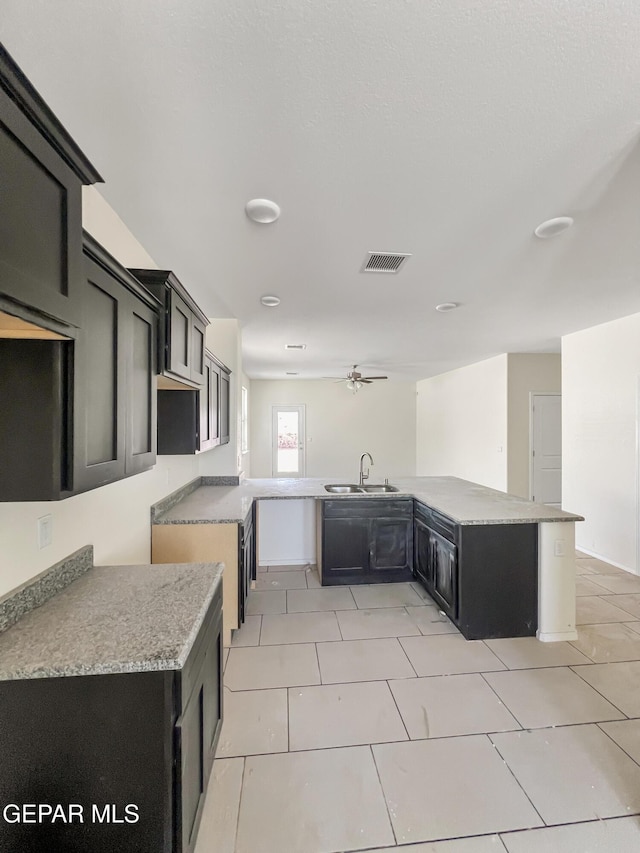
[{"x": 287, "y": 441}]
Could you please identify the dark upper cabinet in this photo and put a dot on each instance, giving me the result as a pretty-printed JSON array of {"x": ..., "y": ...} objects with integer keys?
[
  {"x": 115, "y": 389},
  {"x": 366, "y": 540},
  {"x": 225, "y": 396},
  {"x": 190, "y": 420},
  {"x": 36, "y": 390},
  {"x": 182, "y": 331},
  {"x": 41, "y": 174}
]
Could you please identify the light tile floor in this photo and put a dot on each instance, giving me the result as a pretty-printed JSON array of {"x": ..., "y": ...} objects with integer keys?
[{"x": 359, "y": 719}]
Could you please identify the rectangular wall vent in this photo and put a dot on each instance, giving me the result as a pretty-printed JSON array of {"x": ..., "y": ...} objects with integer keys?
[
  {"x": 391, "y": 262},
  {"x": 295, "y": 346}
]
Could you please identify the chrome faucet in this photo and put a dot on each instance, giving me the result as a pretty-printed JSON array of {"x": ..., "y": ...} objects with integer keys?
[{"x": 364, "y": 476}]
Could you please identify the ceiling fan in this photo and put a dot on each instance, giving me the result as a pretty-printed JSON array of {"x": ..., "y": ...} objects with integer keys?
[{"x": 355, "y": 380}]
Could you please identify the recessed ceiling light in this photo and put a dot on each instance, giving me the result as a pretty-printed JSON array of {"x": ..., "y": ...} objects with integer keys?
[
  {"x": 447, "y": 306},
  {"x": 295, "y": 346},
  {"x": 270, "y": 301},
  {"x": 552, "y": 227},
  {"x": 262, "y": 210}
]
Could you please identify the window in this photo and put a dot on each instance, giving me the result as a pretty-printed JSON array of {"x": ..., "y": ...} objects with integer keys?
[
  {"x": 288, "y": 441},
  {"x": 244, "y": 422}
]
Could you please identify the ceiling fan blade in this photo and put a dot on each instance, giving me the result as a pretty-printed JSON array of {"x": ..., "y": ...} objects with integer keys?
[
  {"x": 333, "y": 379},
  {"x": 365, "y": 381},
  {"x": 369, "y": 378}
]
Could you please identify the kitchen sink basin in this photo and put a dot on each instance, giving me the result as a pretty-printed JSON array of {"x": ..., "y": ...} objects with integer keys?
[{"x": 352, "y": 489}]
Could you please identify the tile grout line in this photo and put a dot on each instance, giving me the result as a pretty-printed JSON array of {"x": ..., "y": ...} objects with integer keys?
[
  {"x": 244, "y": 768},
  {"x": 318, "y": 662},
  {"x": 635, "y": 760},
  {"x": 501, "y": 700},
  {"x": 384, "y": 796},
  {"x": 397, "y": 639},
  {"x": 573, "y": 670},
  {"x": 506, "y": 764},
  {"x": 409, "y": 738}
]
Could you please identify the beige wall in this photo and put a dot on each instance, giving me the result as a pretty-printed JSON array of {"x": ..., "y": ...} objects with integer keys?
[
  {"x": 114, "y": 518},
  {"x": 600, "y": 373},
  {"x": 462, "y": 423},
  {"x": 525, "y": 373},
  {"x": 340, "y": 426}
]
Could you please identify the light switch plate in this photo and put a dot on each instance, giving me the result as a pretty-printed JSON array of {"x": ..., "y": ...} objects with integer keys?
[{"x": 45, "y": 531}]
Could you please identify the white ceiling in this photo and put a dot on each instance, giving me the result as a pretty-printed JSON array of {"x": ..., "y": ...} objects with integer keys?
[{"x": 444, "y": 128}]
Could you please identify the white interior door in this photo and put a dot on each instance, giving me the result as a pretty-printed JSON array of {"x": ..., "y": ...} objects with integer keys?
[
  {"x": 546, "y": 449},
  {"x": 287, "y": 441}
]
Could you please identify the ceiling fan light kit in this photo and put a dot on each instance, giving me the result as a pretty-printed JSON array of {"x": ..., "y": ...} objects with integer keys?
[{"x": 355, "y": 380}]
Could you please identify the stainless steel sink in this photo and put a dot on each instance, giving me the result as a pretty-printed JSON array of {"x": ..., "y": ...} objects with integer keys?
[
  {"x": 342, "y": 488},
  {"x": 382, "y": 487}
]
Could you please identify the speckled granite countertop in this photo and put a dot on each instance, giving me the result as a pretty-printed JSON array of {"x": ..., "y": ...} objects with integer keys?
[
  {"x": 464, "y": 502},
  {"x": 113, "y": 619}
]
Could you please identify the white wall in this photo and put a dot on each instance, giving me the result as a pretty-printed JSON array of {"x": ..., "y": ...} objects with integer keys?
[
  {"x": 600, "y": 371},
  {"x": 286, "y": 532},
  {"x": 525, "y": 373},
  {"x": 462, "y": 423},
  {"x": 340, "y": 426},
  {"x": 114, "y": 518}
]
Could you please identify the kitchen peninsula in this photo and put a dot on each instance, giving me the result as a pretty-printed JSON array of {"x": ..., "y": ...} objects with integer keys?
[{"x": 508, "y": 553}]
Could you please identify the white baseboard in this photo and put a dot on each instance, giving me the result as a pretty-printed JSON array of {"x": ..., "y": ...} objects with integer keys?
[
  {"x": 557, "y": 636},
  {"x": 606, "y": 560},
  {"x": 299, "y": 561}
]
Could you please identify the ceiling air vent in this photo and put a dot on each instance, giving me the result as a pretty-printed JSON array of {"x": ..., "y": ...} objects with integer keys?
[{"x": 384, "y": 262}]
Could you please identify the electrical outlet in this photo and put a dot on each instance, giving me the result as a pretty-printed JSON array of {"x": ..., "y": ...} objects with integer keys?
[
  {"x": 45, "y": 531},
  {"x": 558, "y": 548}
]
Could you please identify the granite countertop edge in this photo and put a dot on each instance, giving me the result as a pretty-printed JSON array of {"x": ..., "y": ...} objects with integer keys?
[
  {"x": 123, "y": 665},
  {"x": 166, "y": 519}
]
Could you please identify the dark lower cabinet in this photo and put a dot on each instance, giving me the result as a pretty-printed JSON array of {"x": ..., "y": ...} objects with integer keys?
[
  {"x": 483, "y": 576},
  {"x": 115, "y": 369},
  {"x": 143, "y": 740},
  {"x": 247, "y": 563},
  {"x": 366, "y": 540}
]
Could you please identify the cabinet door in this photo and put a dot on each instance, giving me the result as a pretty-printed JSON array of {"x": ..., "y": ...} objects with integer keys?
[
  {"x": 345, "y": 550},
  {"x": 197, "y": 350},
  {"x": 224, "y": 407},
  {"x": 212, "y": 683},
  {"x": 391, "y": 547},
  {"x": 423, "y": 562},
  {"x": 41, "y": 222},
  {"x": 209, "y": 405},
  {"x": 180, "y": 337},
  {"x": 100, "y": 378},
  {"x": 190, "y": 757},
  {"x": 247, "y": 567},
  {"x": 445, "y": 572},
  {"x": 141, "y": 398}
]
